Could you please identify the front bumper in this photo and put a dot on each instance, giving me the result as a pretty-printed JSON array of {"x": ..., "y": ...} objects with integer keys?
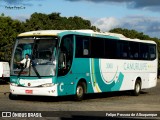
[{"x": 39, "y": 91}]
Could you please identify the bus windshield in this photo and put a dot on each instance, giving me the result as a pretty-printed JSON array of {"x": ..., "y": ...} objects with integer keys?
[{"x": 41, "y": 52}]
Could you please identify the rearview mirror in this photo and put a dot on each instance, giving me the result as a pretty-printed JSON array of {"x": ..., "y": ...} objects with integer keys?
[{"x": 62, "y": 60}]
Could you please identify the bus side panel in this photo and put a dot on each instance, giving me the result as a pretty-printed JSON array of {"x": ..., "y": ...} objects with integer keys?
[
  {"x": 152, "y": 80},
  {"x": 80, "y": 70},
  {"x": 131, "y": 70},
  {"x": 104, "y": 80},
  {"x": 153, "y": 74},
  {"x": 106, "y": 75},
  {"x": 4, "y": 71},
  {"x": 1, "y": 69},
  {"x": 89, "y": 70}
]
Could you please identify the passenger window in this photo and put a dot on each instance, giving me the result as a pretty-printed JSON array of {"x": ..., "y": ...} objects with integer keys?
[
  {"x": 123, "y": 49},
  {"x": 152, "y": 51},
  {"x": 134, "y": 50},
  {"x": 111, "y": 49},
  {"x": 97, "y": 47},
  {"x": 144, "y": 51},
  {"x": 85, "y": 47},
  {"x": 82, "y": 47}
]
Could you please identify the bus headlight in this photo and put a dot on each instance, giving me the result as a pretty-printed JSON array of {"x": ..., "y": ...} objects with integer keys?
[
  {"x": 47, "y": 85},
  {"x": 13, "y": 84}
]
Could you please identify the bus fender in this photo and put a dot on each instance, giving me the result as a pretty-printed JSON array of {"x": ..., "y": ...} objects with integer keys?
[{"x": 80, "y": 80}]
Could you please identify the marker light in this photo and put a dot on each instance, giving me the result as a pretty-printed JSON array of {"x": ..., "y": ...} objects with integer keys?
[{"x": 47, "y": 85}]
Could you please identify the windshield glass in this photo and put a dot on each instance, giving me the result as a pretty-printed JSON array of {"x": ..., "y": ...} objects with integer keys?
[{"x": 34, "y": 56}]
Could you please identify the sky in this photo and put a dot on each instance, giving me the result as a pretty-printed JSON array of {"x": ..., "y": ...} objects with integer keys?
[{"x": 140, "y": 15}]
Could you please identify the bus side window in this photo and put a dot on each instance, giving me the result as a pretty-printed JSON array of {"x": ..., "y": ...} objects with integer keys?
[
  {"x": 111, "y": 49},
  {"x": 134, "y": 50},
  {"x": 82, "y": 47},
  {"x": 135, "y": 55},
  {"x": 152, "y": 51},
  {"x": 124, "y": 54},
  {"x": 123, "y": 50},
  {"x": 144, "y": 51},
  {"x": 85, "y": 47}
]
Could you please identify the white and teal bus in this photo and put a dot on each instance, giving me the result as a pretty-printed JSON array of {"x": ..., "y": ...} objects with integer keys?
[{"x": 78, "y": 62}]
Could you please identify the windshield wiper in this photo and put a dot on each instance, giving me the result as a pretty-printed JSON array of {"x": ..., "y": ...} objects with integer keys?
[
  {"x": 35, "y": 70},
  {"x": 22, "y": 68},
  {"x": 33, "y": 66}
]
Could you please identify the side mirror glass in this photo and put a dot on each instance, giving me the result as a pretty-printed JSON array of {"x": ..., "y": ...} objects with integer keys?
[{"x": 62, "y": 60}]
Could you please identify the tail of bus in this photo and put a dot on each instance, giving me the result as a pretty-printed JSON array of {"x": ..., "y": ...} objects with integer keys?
[{"x": 4, "y": 71}]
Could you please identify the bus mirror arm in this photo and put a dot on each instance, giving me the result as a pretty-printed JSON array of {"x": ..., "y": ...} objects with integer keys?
[{"x": 63, "y": 60}]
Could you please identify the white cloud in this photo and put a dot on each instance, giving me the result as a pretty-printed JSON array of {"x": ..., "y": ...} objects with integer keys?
[
  {"x": 21, "y": 17},
  {"x": 106, "y": 24},
  {"x": 152, "y": 5},
  {"x": 147, "y": 25}
]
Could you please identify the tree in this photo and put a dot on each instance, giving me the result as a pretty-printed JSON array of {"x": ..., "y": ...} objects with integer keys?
[
  {"x": 8, "y": 31},
  {"x": 131, "y": 33},
  {"x": 54, "y": 21},
  {"x": 10, "y": 28}
]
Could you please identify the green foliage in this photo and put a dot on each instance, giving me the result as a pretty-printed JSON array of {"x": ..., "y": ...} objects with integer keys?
[
  {"x": 131, "y": 33},
  {"x": 54, "y": 21},
  {"x": 10, "y": 28},
  {"x": 8, "y": 31}
]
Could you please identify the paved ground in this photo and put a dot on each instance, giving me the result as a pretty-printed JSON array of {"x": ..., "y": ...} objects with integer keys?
[{"x": 149, "y": 100}]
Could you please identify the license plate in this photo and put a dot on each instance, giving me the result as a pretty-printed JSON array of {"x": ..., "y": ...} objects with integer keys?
[{"x": 29, "y": 91}]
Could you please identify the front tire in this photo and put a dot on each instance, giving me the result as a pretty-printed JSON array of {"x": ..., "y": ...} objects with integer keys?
[
  {"x": 137, "y": 88},
  {"x": 13, "y": 97},
  {"x": 80, "y": 91}
]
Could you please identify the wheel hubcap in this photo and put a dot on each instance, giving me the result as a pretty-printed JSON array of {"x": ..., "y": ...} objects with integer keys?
[
  {"x": 79, "y": 91},
  {"x": 137, "y": 88}
]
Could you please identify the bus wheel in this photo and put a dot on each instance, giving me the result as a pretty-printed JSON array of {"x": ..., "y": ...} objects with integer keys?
[
  {"x": 13, "y": 97},
  {"x": 137, "y": 88},
  {"x": 80, "y": 91}
]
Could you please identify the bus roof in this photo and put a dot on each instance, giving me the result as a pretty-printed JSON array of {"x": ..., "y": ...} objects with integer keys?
[
  {"x": 86, "y": 32},
  {"x": 56, "y": 32},
  {"x": 40, "y": 33}
]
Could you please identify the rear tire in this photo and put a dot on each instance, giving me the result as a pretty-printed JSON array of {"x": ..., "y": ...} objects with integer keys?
[
  {"x": 80, "y": 91},
  {"x": 137, "y": 88}
]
